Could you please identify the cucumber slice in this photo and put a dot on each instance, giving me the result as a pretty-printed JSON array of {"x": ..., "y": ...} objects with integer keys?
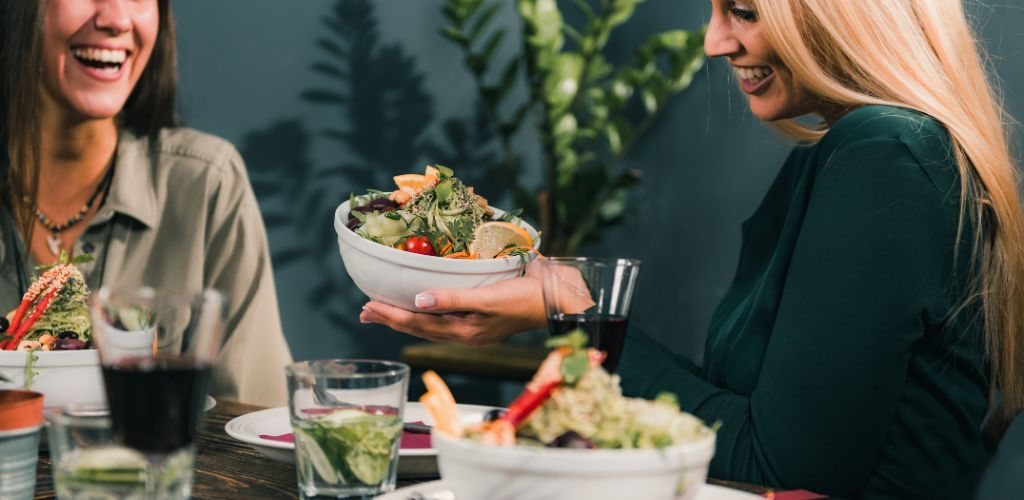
[
  {"x": 316, "y": 455},
  {"x": 367, "y": 466}
]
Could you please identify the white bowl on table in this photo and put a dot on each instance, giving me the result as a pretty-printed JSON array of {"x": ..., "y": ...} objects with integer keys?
[
  {"x": 395, "y": 276},
  {"x": 62, "y": 376},
  {"x": 474, "y": 470}
]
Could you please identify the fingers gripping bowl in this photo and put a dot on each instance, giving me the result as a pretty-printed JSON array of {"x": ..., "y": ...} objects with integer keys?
[{"x": 389, "y": 274}]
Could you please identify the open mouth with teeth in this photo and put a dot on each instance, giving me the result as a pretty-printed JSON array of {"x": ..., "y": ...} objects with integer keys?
[
  {"x": 754, "y": 75},
  {"x": 105, "y": 60}
]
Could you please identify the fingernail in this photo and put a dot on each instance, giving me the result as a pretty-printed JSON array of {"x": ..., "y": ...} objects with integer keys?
[
  {"x": 426, "y": 301},
  {"x": 369, "y": 316}
]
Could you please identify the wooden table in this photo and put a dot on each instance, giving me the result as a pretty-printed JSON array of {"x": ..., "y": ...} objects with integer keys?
[
  {"x": 230, "y": 469},
  {"x": 225, "y": 468}
]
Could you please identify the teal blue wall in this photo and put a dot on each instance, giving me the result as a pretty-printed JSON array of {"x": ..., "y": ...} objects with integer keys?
[{"x": 706, "y": 164}]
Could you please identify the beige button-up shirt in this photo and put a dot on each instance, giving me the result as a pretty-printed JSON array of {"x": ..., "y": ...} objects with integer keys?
[{"x": 182, "y": 217}]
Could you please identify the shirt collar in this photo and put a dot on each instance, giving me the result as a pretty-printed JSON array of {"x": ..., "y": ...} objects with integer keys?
[{"x": 132, "y": 191}]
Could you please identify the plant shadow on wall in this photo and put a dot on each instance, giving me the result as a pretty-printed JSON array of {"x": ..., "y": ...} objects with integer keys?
[
  {"x": 587, "y": 111},
  {"x": 377, "y": 92}
]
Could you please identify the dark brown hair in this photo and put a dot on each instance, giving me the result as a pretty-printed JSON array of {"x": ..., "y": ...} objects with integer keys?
[{"x": 149, "y": 108}]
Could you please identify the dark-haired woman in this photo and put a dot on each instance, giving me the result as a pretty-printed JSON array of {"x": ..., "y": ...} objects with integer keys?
[{"x": 93, "y": 163}]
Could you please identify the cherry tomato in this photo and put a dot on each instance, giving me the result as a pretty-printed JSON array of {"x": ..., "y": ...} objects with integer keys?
[{"x": 420, "y": 245}]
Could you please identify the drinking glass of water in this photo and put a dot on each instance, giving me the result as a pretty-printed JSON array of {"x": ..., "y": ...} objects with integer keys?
[
  {"x": 346, "y": 417},
  {"x": 157, "y": 350}
]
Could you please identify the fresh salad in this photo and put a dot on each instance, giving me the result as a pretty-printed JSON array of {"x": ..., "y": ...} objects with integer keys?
[
  {"x": 54, "y": 312},
  {"x": 434, "y": 213},
  {"x": 571, "y": 402}
]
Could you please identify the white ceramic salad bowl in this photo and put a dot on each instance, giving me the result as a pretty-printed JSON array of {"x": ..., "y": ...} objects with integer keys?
[
  {"x": 395, "y": 277},
  {"x": 62, "y": 376},
  {"x": 474, "y": 470}
]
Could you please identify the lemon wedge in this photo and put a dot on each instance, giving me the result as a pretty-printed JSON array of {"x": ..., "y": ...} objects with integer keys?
[{"x": 492, "y": 237}]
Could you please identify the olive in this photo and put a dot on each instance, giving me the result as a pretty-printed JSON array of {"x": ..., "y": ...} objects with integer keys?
[
  {"x": 572, "y": 439},
  {"x": 493, "y": 415},
  {"x": 4, "y": 324},
  {"x": 68, "y": 345},
  {"x": 67, "y": 334},
  {"x": 382, "y": 204}
]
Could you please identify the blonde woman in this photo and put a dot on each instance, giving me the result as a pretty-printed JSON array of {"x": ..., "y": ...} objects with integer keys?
[{"x": 878, "y": 296}]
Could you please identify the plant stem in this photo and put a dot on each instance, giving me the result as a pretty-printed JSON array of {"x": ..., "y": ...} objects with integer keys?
[{"x": 589, "y": 221}]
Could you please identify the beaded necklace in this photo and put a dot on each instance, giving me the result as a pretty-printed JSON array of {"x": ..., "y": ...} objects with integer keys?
[{"x": 53, "y": 240}]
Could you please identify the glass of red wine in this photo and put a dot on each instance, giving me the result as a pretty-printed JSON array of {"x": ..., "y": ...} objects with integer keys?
[
  {"x": 592, "y": 294},
  {"x": 157, "y": 349}
]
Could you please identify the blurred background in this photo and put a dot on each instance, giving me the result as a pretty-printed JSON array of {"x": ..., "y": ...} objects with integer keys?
[{"x": 328, "y": 97}]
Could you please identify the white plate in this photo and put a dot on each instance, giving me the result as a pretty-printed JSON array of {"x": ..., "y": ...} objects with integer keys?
[
  {"x": 436, "y": 490},
  {"x": 421, "y": 462}
]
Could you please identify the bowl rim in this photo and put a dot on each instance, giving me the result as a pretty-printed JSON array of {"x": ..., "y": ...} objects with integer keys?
[
  {"x": 574, "y": 454},
  {"x": 349, "y": 238},
  {"x": 79, "y": 357}
]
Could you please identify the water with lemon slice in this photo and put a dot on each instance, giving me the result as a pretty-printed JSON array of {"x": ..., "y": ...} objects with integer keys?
[{"x": 347, "y": 453}]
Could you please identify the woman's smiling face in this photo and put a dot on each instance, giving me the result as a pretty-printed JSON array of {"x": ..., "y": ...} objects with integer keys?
[
  {"x": 94, "y": 52},
  {"x": 734, "y": 32}
]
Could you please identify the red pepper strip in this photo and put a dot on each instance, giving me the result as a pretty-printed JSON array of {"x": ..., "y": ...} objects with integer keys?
[
  {"x": 30, "y": 296},
  {"x": 16, "y": 319},
  {"x": 527, "y": 402},
  {"x": 31, "y": 320}
]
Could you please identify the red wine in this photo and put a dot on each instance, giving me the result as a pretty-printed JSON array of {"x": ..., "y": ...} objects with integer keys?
[
  {"x": 607, "y": 332},
  {"x": 156, "y": 404}
]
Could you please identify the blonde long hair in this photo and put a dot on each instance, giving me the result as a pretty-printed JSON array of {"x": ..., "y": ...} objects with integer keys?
[{"x": 923, "y": 55}]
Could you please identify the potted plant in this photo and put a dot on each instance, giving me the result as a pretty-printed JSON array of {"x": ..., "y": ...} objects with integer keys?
[{"x": 587, "y": 111}]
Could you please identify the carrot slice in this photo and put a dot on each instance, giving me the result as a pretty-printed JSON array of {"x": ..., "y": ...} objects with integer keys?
[{"x": 462, "y": 255}]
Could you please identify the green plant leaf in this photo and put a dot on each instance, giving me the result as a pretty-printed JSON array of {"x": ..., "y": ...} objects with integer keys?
[
  {"x": 544, "y": 23},
  {"x": 330, "y": 70},
  {"x": 324, "y": 96},
  {"x": 621, "y": 11},
  {"x": 586, "y": 9},
  {"x": 510, "y": 126},
  {"x": 614, "y": 206},
  {"x": 562, "y": 83},
  {"x": 445, "y": 172},
  {"x": 332, "y": 48},
  {"x": 650, "y": 101},
  {"x": 508, "y": 78},
  {"x": 568, "y": 165},
  {"x": 483, "y": 20},
  {"x": 453, "y": 12},
  {"x": 615, "y": 139},
  {"x": 599, "y": 68},
  {"x": 492, "y": 44},
  {"x": 459, "y": 11},
  {"x": 452, "y": 33}
]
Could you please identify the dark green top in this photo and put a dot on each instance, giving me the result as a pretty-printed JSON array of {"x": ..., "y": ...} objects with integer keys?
[{"x": 829, "y": 362}]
